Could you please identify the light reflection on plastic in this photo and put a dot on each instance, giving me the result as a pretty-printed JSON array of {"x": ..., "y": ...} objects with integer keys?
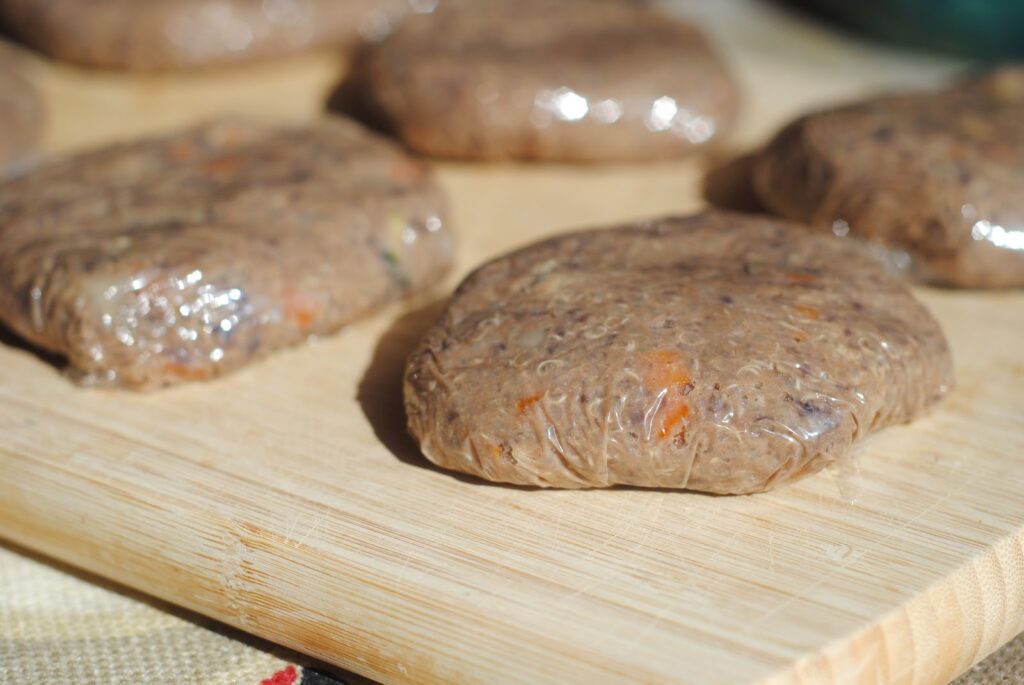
[
  {"x": 696, "y": 128},
  {"x": 998, "y": 235},
  {"x": 568, "y": 105},
  {"x": 663, "y": 113},
  {"x": 666, "y": 114},
  {"x": 606, "y": 111},
  {"x": 564, "y": 103}
]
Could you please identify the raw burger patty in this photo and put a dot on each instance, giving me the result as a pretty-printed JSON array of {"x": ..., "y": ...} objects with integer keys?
[
  {"x": 184, "y": 257},
  {"x": 20, "y": 115},
  {"x": 936, "y": 177},
  {"x": 568, "y": 80},
  {"x": 169, "y": 34},
  {"x": 720, "y": 353}
]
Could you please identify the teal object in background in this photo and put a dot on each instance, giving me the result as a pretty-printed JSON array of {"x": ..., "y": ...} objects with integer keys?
[{"x": 977, "y": 28}]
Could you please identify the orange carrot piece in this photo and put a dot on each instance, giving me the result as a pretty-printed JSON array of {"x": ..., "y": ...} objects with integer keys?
[
  {"x": 808, "y": 311},
  {"x": 299, "y": 308},
  {"x": 666, "y": 371},
  {"x": 528, "y": 401},
  {"x": 224, "y": 166},
  {"x": 185, "y": 372}
]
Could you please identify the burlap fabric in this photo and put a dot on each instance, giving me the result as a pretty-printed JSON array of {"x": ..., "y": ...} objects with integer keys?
[
  {"x": 60, "y": 627},
  {"x": 1005, "y": 667}
]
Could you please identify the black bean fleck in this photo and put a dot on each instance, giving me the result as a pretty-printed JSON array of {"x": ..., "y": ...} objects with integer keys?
[{"x": 884, "y": 133}]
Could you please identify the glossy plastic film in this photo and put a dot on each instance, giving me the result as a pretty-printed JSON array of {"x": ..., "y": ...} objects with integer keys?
[
  {"x": 933, "y": 181},
  {"x": 719, "y": 353},
  {"x": 182, "y": 258},
  {"x": 562, "y": 80},
  {"x": 176, "y": 34}
]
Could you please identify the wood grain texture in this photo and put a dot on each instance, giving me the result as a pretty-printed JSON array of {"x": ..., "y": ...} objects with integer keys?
[{"x": 288, "y": 501}]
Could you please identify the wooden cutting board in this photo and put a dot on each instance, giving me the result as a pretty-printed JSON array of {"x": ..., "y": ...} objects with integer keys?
[{"x": 287, "y": 500}]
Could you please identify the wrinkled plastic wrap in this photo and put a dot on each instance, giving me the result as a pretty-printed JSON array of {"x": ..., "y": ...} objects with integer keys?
[
  {"x": 932, "y": 180},
  {"x": 564, "y": 80},
  {"x": 178, "y": 34},
  {"x": 182, "y": 258},
  {"x": 720, "y": 353},
  {"x": 21, "y": 117}
]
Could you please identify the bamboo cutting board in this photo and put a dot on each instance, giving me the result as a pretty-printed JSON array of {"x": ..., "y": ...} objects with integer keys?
[{"x": 287, "y": 500}]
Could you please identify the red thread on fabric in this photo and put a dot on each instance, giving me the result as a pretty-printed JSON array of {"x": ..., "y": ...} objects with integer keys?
[{"x": 284, "y": 677}]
